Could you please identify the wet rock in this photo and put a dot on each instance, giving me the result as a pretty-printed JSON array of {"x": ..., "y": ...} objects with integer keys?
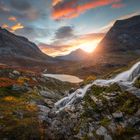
[{"x": 71, "y": 90}]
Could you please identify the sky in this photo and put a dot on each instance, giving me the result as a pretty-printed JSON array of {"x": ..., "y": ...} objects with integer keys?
[{"x": 61, "y": 26}]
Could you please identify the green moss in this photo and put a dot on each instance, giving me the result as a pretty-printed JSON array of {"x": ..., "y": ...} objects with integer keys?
[
  {"x": 105, "y": 122},
  {"x": 112, "y": 88},
  {"x": 19, "y": 116},
  {"x": 137, "y": 82}
]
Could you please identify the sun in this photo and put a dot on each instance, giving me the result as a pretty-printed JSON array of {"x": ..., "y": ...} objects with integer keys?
[{"x": 89, "y": 46}]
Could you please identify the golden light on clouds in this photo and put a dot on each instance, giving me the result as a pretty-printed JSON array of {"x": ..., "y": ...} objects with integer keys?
[
  {"x": 54, "y": 2},
  {"x": 86, "y": 42},
  {"x": 17, "y": 26},
  {"x": 14, "y": 27},
  {"x": 5, "y": 26}
]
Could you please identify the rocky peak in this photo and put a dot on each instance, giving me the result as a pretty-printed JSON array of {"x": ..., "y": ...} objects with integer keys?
[{"x": 123, "y": 36}]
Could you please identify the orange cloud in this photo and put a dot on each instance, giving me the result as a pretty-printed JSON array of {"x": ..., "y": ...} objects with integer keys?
[
  {"x": 17, "y": 27},
  {"x": 14, "y": 27},
  {"x": 5, "y": 26},
  {"x": 72, "y": 44},
  {"x": 12, "y": 18},
  {"x": 73, "y": 8}
]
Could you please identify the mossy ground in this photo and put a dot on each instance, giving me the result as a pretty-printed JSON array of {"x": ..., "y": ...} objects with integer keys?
[{"x": 18, "y": 115}]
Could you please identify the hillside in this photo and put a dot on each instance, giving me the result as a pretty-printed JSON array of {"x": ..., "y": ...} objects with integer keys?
[
  {"x": 122, "y": 37},
  {"x": 32, "y": 108},
  {"x": 20, "y": 51}
]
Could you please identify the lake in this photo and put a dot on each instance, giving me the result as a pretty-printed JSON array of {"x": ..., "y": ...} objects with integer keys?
[{"x": 65, "y": 78}]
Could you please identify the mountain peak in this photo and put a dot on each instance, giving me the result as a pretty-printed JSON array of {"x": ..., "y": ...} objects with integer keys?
[
  {"x": 123, "y": 36},
  {"x": 76, "y": 55},
  {"x": 18, "y": 48}
]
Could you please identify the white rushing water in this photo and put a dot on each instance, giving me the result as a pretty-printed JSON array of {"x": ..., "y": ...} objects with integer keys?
[
  {"x": 65, "y": 78},
  {"x": 125, "y": 79}
]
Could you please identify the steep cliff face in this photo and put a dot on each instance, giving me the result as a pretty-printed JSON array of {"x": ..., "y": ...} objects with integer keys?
[
  {"x": 17, "y": 48},
  {"x": 123, "y": 36}
]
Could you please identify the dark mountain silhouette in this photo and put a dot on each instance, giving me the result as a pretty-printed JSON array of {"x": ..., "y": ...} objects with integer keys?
[
  {"x": 123, "y": 36},
  {"x": 18, "y": 50}
]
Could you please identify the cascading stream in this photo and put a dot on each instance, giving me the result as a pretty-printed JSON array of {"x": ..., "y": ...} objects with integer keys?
[{"x": 125, "y": 79}]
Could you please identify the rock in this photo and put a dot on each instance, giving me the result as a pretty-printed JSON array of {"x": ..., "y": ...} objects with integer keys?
[
  {"x": 71, "y": 90},
  {"x": 20, "y": 88},
  {"x": 45, "y": 71},
  {"x": 138, "y": 113},
  {"x": 43, "y": 113},
  {"x": 51, "y": 114},
  {"x": 97, "y": 101},
  {"x": 49, "y": 102},
  {"x": 43, "y": 108},
  {"x": 11, "y": 75},
  {"x": 49, "y": 95},
  {"x": 16, "y": 72},
  {"x": 134, "y": 121},
  {"x": 107, "y": 137},
  {"x": 136, "y": 137},
  {"x": 102, "y": 131},
  {"x": 112, "y": 127},
  {"x": 19, "y": 114},
  {"x": 118, "y": 116}
]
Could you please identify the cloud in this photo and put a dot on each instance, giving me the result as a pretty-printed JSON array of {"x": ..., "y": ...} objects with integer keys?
[
  {"x": 64, "y": 32},
  {"x": 63, "y": 48},
  {"x": 5, "y": 26},
  {"x": 20, "y": 4},
  {"x": 55, "y": 50},
  {"x": 33, "y": 33},
  {"x": 17, "y": 26},
  {"x": 14, "y": 27},
  {"x": 4, "y": 7},
  {"x": 72, "y": 8},
  {"x": 118, "y": 5},
  {"x": 12, "y": 18},
  {"x": 54, "y": 2}
]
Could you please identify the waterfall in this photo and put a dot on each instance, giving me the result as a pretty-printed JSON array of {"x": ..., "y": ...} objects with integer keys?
[{"x": 125, "y": 78}]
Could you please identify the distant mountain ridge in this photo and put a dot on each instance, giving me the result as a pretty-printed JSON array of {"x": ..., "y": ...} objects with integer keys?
[{"x": 76, "y": 55}]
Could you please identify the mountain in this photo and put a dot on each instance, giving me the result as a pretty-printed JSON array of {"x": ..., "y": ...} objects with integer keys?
[
  {"x": 19, "y": 50},
  {"x": 76, "y": 55},
  {"x": 123, "y": 36}
]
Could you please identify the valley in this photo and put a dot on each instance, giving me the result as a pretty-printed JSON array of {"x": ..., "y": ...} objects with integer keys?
[{"x": 77, "y": 96}]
